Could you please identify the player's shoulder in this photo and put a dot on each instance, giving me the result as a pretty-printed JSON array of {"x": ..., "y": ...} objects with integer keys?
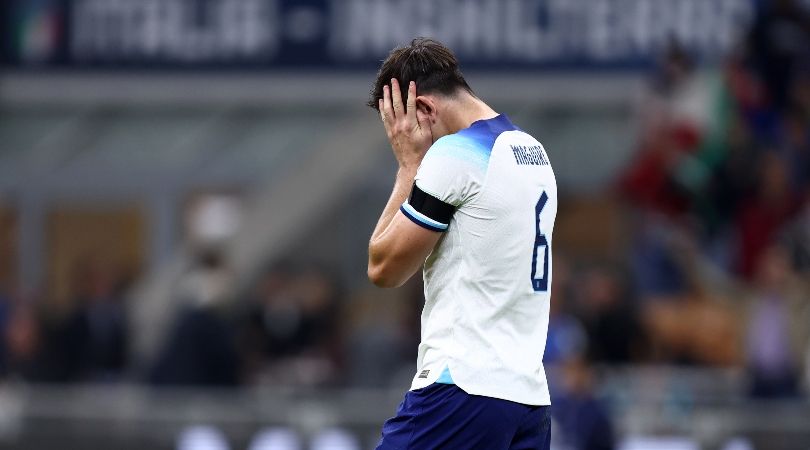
[
  {"x": 459, "y": 150},
  {"x": 456, "y": 144},
  {"x": 474, "y": 143}
]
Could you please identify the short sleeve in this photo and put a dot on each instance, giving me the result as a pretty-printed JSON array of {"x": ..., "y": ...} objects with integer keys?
[
  {"x": 452, "y": 169},
  {"x": 448, "y": 177}
]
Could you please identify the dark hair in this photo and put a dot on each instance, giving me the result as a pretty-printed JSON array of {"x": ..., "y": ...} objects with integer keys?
[{"x": 429, "y": 63}]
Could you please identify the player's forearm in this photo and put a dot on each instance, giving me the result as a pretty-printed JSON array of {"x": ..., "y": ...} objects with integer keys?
[
  {"x": 381, "y": 247},
  {"x": 410, "y": 136},
  {"x": 402, "y": 188}
]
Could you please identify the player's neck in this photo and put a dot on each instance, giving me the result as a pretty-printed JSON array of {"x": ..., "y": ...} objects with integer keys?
[{"x": 466, "y": 110}]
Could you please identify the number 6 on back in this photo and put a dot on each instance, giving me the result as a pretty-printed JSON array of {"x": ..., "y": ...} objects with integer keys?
[{"x": 540, "y": 275}]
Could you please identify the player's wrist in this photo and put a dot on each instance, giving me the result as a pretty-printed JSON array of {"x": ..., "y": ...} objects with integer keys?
[
  {"x": 407, "y": 173},
  {"x": 410, "y": 161}
]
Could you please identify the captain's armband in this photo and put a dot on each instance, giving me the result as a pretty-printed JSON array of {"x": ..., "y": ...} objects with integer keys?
[{"x": 427, "y": 211}]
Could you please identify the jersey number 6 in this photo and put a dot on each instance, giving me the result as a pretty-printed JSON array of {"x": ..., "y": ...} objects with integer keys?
[{"x": 540, "y": 277}]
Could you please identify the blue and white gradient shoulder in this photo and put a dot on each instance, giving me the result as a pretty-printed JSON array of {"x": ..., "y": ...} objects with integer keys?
[
  {"x": 474, "y": 143},
  {"x": 455, "y": 166},
  {"x": 462, "y": 148}
]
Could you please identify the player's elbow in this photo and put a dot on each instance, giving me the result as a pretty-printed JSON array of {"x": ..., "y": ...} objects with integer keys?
[{"x": 382, "y": 275}]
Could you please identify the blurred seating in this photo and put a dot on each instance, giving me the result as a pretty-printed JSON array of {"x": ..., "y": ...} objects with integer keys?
[
  {"x": 737, "y": 443},
  {"x": 658, "y": 443},
  {"x": 277, "y": 438},
  {"x": 334, "y": 439},
  {"x": 202, "y": 437}
]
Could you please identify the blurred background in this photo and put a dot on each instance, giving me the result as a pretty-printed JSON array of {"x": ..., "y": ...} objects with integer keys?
[{"x": 187, "y": 188}]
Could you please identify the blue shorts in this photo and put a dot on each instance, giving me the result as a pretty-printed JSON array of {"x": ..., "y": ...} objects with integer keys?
[{"x": 443, "y": 416}]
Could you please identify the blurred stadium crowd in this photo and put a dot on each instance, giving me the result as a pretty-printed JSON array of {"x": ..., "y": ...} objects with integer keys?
[
  {"x": 715, "y": 204},
  {"x": 707, "y": 264},
  {"x": 720, "y": 189}
]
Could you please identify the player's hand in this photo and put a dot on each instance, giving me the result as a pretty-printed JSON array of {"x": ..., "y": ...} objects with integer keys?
[{"x": 408, "y": 131}]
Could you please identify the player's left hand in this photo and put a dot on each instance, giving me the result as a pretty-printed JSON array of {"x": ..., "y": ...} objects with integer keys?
[{"x": 408, "y": 131}]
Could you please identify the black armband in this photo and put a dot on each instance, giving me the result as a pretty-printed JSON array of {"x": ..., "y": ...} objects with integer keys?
[{"x": 427, "y": 211}]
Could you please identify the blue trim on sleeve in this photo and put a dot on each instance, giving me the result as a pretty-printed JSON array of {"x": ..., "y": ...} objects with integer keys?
[{"x": 421, "y": 219}]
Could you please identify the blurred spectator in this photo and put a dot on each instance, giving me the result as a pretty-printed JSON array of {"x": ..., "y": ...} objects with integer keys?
[
  {"x": 6, "y": 310},
  {"x": 796, "y": 237},
  {"x": 765, "y": 214},
  {"x": 61, "y": 353},
  {"x": 101, "y": 312},
  {"x": 21, "y": 339},
  {"x": 778, "y": 43},
  {"x": 795, "y": 146},
  {"x": 584, "y": 422},
  {"x": 292, "y": 330},
  {"x": 735, "y": 176},
  {"x": 610, "y": 318},
  {"x": 566, "y": 334},
  {"x": 807, "y": 367},
  {"x": 656, "y": 272},
  {"x": 777, "y": 332},
  {"x": 81, "y": 340},
  {"x": 382, "y": 341},
  {"x": 200, "y": 349},
  {"x": 674, "y": 116},
  {"x": 677, "y": 98}
]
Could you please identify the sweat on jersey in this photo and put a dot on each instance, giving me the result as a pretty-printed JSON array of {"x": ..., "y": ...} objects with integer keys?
[{"x": 491, "y": 190}]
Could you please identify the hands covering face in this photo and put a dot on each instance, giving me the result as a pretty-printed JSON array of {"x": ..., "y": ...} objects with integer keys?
[{"x": 408, "y": 130}]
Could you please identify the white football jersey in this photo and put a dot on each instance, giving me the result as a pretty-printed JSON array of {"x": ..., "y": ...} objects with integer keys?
[{"x": 491, "y": 190}]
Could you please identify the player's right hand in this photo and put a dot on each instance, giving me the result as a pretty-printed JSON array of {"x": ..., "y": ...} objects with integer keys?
[{"x": 408, "y": 131}]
